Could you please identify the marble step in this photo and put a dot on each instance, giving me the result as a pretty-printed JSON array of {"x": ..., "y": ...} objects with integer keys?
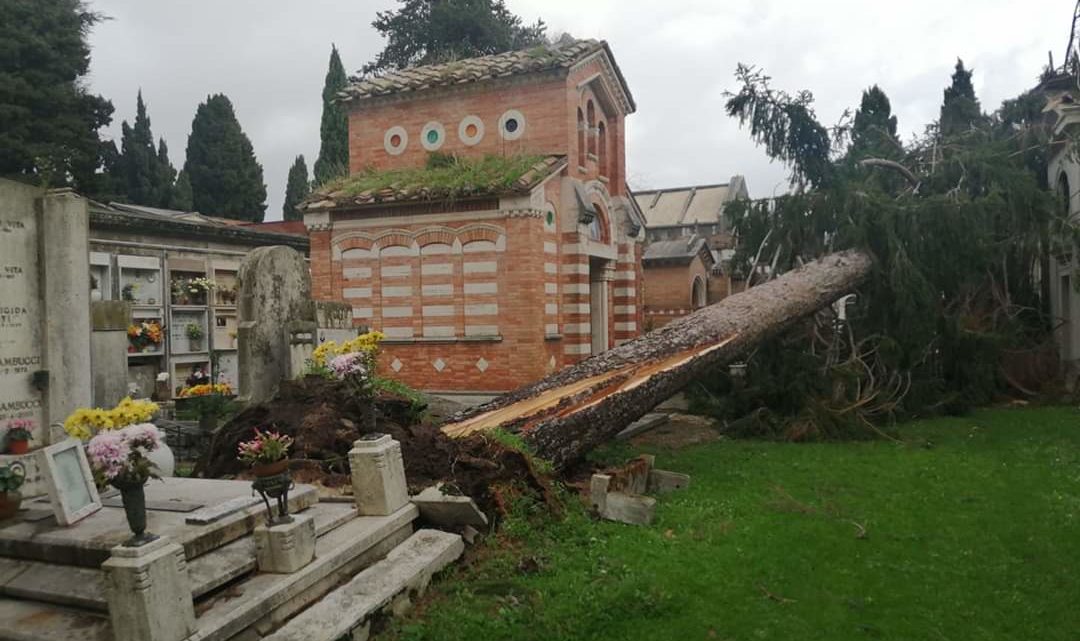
[
  {"x": 83, "y": 587},
  {"x": 262, "y": 602},
  {"x": 386, "y": 585}
]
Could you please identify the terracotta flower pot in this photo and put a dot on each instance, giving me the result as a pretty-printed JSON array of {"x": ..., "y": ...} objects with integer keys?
[
  {"x": 270, "y": 469},
  {"x": 18, "y": 446},
  {"x": 9, "y": 504}
]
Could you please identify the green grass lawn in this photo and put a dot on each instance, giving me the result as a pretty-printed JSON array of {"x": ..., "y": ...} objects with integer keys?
[{"x": 972, "y": 531}]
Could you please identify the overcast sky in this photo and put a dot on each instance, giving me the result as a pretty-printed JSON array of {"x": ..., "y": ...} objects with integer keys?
[{"x": 270, "y": 56}]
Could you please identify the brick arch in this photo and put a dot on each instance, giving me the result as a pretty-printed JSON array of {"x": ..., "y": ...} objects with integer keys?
[
  {"x": 394, "y": 237},
  {"x": 351, "y": 240},
  {"x": 435, "y": 235},
  {"x": 481, "y": 231}
]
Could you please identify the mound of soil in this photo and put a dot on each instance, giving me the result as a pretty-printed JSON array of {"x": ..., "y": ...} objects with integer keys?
[{"x": 324, "y": 417}]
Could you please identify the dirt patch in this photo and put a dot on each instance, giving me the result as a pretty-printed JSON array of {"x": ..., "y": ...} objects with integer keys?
[
  {"x": 324, "y": 417},
  {"x": 680, "y": 430}
]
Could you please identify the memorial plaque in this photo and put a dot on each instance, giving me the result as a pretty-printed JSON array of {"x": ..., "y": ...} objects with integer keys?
[{"x": 20, "y": 320}]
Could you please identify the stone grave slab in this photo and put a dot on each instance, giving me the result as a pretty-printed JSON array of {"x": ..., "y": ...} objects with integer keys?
[{"x": 88, "y": 542}]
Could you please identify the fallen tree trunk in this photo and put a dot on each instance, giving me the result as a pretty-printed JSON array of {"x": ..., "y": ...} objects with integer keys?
[{"x": 572, "y": 411}]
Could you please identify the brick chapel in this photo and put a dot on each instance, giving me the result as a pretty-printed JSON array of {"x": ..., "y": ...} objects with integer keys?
[{"x": 486, "y": 227}]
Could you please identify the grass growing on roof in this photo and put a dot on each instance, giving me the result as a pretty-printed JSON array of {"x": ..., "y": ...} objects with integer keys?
[
  {"x": 444, "y": 176},
  {"x": 969, "y": 529}
]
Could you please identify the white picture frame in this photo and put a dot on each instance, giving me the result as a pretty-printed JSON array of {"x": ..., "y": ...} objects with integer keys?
[{"x": 70, "y": 482}]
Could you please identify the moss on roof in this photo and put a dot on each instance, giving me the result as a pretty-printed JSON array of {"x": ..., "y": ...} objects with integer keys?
[{"x": 444, "y": 178}]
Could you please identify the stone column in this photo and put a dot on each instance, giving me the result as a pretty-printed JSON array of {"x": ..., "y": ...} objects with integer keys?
[
  {"x": 285, "y": 547},
  {"x": 378, "y": 475},
  {"x": 148, "y": 592},
  {"x": 108, "y": 350},
  {"x": 64, "y": 255}
]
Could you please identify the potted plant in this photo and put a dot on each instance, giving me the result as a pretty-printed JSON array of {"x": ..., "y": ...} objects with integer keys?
[
  {"x": 12, "y": 476},
  {"x": 18, "y": 435},
  {"x": 128, "y": 292},
  {"x": 199, "y": 289},
  {"x": 120, "y": 458},
  {"x": 194, "y": 333},
  {"x": 267, "y": 453}
]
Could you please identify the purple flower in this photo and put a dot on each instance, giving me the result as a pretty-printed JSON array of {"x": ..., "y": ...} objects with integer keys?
[{"x": 352, "y": 364}]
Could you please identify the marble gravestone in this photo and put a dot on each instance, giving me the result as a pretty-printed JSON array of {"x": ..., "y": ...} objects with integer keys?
[{"x": 44, "y": 312}]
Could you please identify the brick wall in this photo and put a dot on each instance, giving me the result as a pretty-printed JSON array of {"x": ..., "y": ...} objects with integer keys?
[{"x": 669, "y": 291}]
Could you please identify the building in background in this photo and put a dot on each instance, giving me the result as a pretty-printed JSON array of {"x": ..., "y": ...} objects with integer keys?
[
  {"x": 143, "y": 255},
  {"x": 689, "y": 244},
  {"x": 486, "y": 227}
]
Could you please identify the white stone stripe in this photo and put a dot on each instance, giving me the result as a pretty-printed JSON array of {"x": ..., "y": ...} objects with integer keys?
[
  {"x": 625, "y": 291},
  {"x": 575, "y": 268},
  {"x": 396, "y": 271},
  {"x": 626, "y": 327},
  {"x": 576, "y": 308},
  {"x": 439, "y": 331},
  {"x": 484, "y": 309},
  {"x": 481, "y": 330},
  {"x": 396, "y": 292},
  {"x": 551, "y": 309},
  {"x": 485, "y": 267},
  {"x": 551, "y": 329},
  {"x": 397, "y": 312},
  {"x": 576, "y": 328},
  {"x": 445, "y": 289},
  {"x": 350, "y": 273},
  {"x": 626, "y": 309},
  {"x": 397, "y": 332},
  {"x": 436, "y": 269},
  {"x": 571, "y": 248},
  {"x": 551, "y": 288},
  {"x": 583, "y": 348},
  {"x": 551, "y": 268},
  {"x": 579, "y": 288},
  {"x": 438, "y": 310},
  {"x": 550, "y": 247},
  {"x": 356, "y": 292},
  {"x": 627, "y": 275},
  {"x": 361, "y": 312},
  {"x": 481, "y": 288}
]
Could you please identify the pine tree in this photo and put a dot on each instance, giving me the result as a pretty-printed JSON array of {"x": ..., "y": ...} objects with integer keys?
[
  {"x": 180, "y": 197},
  {"x": 430, "y": 31},
  {"x": 873, "y": 131},
  {"x": 296, "y": 190},
  {"x": 49, "y": 123},
  {"x": 226, "y": 179},
  {"x": 960, "y": 109},
  {"x": 333, "y": 160}
]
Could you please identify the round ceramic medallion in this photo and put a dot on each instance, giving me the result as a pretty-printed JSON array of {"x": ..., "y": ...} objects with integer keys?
[
  {"x": 471, "y": 130},
  {"x": 432, "y": 136},
  {"x": 512, "y": 125},
  {"x": 395, "y": 140}
]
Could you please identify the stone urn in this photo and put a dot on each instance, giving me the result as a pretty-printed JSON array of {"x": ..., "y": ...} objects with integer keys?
[{"x": 164, "y": 459}]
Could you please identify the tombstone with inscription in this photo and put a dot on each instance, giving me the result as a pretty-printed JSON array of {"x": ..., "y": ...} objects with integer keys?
[{"x": 44, "y": 312}]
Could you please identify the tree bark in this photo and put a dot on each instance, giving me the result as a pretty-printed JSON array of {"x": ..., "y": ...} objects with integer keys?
[{"x": 565, "y": 415}]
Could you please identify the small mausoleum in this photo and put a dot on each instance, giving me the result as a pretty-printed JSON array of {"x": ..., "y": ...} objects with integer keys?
[{"x": 485, "y": 227}]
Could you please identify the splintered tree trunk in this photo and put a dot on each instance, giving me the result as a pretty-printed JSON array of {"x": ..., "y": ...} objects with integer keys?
[{"x": 566, "y": 414}]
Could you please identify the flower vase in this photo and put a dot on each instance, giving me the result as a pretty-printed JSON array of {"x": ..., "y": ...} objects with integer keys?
[
  {"x": 9, "y": 503},
  {"x": 264, "y": 470},
  {"x": 133, "y": 495},
  {"x": 194, "y": 344}
]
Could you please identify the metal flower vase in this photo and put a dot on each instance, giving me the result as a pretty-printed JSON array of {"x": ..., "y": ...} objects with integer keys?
[
  {"x": 133, "y": 496},
  {"x": 272, "y": 481}
]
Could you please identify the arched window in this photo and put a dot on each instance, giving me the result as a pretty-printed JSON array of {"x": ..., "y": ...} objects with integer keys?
[
  {"x": 1064, "y": 195},
  {"x": 601, "y": 133},
  {"x": 581, "y": 137},
  {"x": 598, "y": 226},
  {"x": 590, "y": 120},
  {"x": 698, "y": 294}
]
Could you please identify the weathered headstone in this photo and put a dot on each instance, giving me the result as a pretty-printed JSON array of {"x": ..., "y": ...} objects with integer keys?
[
  {"x": 275, "y": 291},
  {"x": 108, "y": 344},
  {"x": 44, "y": 311}
]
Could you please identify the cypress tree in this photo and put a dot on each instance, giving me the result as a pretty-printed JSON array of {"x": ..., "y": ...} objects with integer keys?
[
  {"x": 49, "y": 127},
  {"x": 226, "y": 179},
  {"x": 181, "y": 193},
  {"x": 960, "y": 109},
  {"x": 873, "y": 131},
  {"x": 333, "y": 157},
  {"x": 146, "y": 174},
  {"x": 296, "y": 190}
]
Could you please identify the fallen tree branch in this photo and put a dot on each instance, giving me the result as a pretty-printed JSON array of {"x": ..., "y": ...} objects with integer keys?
[{"x": 891, "y": 164}]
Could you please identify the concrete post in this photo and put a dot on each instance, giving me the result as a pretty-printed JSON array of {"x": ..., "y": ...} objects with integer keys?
[
  {"x": 148, "y": 592},
  {"x": 378, "y": 476},
  {"x": 108, "y": 350},
  {"x": 63, "y": 248},
  {"x": 286, "y": 547}
]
